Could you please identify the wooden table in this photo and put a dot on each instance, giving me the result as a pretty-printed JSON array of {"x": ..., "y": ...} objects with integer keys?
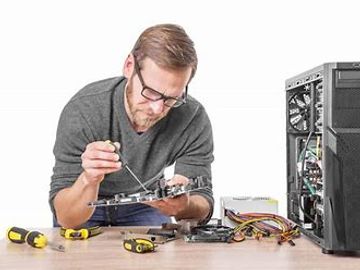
[{"x": 106, "y": 251}]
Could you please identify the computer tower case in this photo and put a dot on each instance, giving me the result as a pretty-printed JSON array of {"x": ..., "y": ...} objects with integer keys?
[{"x": 323, "y": 155}]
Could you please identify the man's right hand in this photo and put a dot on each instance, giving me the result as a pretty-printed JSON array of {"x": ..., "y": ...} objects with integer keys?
[{"x": 99, "y": 159}]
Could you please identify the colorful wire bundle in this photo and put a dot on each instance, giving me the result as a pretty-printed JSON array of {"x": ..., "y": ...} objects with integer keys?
[{"x": 258, "y": 225}]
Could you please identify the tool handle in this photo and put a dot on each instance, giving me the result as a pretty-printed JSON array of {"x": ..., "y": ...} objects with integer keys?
[
  {"x": 36, "y": 239},
  {"x": 76, "y": 234},
  {"x": 33, "y": 238},
  {"x": 117, "y": 151},
  {"x": 122, "y": 159},
  {"x": 80, "y": 234},
  {"x": 17, "y": 235},
  {"x": 139, "y": 245}
]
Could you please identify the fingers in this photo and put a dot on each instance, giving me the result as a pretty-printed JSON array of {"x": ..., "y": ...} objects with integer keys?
[
  {"x": 156, "y": 204},
  {"x": 95, "y": 154},
  {"x": 117, "y": 144},
  {"x": 171, "y": 206},
  {"x": 100, "y": 155},
  {"x": 99, "y": 159},
  {"x": 99, "y": 172},
  {"x": 102, "y": 146},
  {"x": 178, "y": 180},
  {"x": 101, "y": 164},
  {"x": 176, "y": 205}
]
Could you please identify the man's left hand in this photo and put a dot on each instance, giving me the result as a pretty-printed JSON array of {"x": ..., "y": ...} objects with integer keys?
[{"x": 176, "y": 205}]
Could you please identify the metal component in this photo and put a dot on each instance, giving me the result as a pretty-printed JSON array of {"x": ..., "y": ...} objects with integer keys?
[
  {"x": 210, "y": 233},
  {"x": 168, "y": 234},
  {"x": 56, "y": 246},
  {"x": 135, "y": 177},
  {"x": 156, "y": 239},
  {"x": 320, "y": 209}
]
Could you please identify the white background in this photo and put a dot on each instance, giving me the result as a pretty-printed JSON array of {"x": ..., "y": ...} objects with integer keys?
[{"x": 246, "y": 49}]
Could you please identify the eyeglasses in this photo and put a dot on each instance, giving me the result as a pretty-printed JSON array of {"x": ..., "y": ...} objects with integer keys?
[{"x": 153, "y": 95}]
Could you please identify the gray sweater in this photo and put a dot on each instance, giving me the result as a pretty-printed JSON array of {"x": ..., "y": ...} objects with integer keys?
[{"x": 97, "y": 113}]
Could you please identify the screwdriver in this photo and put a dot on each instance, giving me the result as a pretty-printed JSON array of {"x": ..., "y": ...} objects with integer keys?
[
  {"x": 124, "y": 164},
  {"x": 139, "y": 245},
  {"x": 33, "y": 238},
  {"x": 81, "y": 233}
]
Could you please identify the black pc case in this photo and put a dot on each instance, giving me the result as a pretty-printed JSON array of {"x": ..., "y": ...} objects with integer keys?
[{"x": 323, "y": 155}]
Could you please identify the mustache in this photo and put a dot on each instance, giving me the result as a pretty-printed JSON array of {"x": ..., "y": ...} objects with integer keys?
[{"x": 148, "y": 113}]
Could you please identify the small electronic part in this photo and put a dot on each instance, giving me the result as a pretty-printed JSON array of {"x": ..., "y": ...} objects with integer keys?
[
  {"x": 168, "y": 234},
  {"x": 210, "y": 233},
  {"x": 162, "y": 192}
]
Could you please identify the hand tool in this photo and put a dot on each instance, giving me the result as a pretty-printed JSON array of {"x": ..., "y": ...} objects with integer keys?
[
  {"x": 33, "y": 238},
  {"x": 125, "y": 165},
  {"x": 139, "y": 245},
  {"x": 80, "y": 234},
  {"x": 156, "y": 239}
]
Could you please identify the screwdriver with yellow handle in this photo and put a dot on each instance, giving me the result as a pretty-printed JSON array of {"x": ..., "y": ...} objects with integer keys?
[
  {"x": 139, "y": 245},
  {"x": 80, "y": 234},
  {"x": 33, "y": 238}
]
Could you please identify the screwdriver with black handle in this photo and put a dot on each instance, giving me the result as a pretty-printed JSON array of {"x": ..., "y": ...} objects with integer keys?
[{"x": 35, "y": 239}]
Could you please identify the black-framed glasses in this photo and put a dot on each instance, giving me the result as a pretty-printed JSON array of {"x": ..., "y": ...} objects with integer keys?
[{"x": 153, "y": 95}]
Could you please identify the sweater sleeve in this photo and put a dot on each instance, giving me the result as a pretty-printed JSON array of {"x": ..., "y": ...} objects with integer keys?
[
  {"x": 73, "y": 134},
  {"x": 197, "y": 156}
]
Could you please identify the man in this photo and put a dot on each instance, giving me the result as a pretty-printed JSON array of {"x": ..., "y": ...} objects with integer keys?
[{"x": 155, "y": 124}]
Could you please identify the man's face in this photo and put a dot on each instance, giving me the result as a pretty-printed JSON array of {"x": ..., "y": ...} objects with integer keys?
[{"x": 142, "y": 112}]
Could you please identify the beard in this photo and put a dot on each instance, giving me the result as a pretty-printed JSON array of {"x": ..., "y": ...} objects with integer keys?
[{"x": 141, "y": 116}]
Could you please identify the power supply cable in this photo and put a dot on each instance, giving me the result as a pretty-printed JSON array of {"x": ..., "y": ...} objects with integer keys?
[
  {"x": 259, "y": 225},
  {"x": 301, "y": 183}
]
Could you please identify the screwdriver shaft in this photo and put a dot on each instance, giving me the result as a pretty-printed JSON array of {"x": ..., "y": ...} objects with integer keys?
[
  {"x": 124, "y": 163},
  {"x": 135, "y": 177}
]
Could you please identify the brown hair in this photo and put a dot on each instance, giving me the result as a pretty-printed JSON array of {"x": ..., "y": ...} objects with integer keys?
[{"x": 168, "y": 46}]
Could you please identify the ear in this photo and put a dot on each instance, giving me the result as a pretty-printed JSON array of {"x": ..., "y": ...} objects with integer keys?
[{"x": 128, "y": 68}]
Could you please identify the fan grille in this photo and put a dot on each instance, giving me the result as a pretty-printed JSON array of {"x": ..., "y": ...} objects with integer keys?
[{"x": 299, "y": 111}]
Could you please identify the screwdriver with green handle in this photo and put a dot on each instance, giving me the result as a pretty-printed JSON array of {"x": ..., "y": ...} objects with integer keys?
[{"x": 33, "y": 238}]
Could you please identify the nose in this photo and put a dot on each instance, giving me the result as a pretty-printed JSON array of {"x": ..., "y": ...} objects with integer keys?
[{"x": 157, "y": 106}]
